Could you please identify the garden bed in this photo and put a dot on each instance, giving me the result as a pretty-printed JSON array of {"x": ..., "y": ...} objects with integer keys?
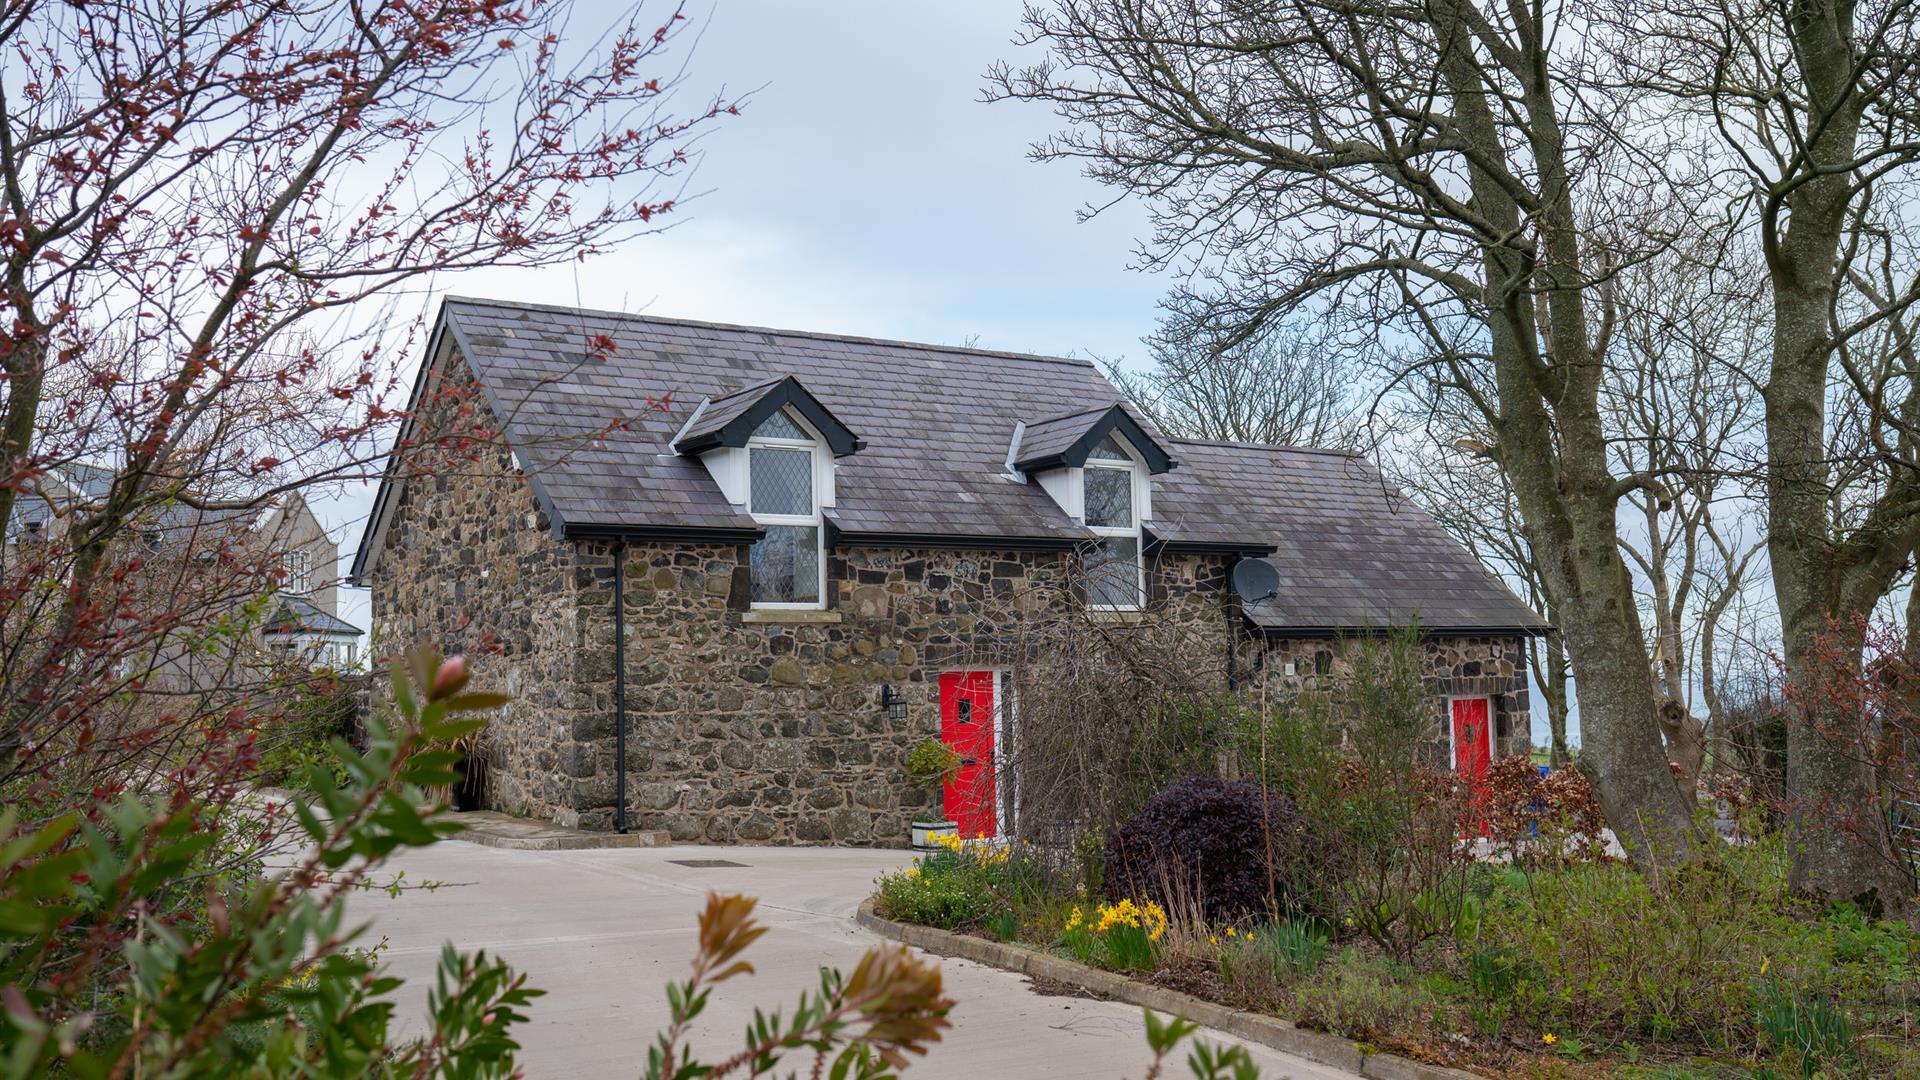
[
  {"x": 1046, "y": 968},
  {"x": 1571, "y": 968}
]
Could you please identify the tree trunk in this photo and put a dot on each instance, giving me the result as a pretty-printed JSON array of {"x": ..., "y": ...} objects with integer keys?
[
  {"x": 1685, "y": 738},
  {"x": 1841, "y": 844},
  {"x": 1553, "y": 446}
]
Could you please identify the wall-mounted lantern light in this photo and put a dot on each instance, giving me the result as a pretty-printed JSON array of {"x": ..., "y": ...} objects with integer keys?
[{"x": 893, "y": 703}]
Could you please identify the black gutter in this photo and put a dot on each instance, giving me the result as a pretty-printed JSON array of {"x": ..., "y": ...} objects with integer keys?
[
  {"x": 620, "y": 685},
  {"x": 679, "y": 533},
  {"x": 1209, "y": 547},
  {"x": 840, "y": 538},
  {"x": 1331, "y": 632}
]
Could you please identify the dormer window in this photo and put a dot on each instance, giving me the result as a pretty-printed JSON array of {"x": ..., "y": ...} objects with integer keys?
[
  {"x": 770, "y": 448},
  {"x": 1098, "y": 465},
  {"x": 1116, "y": 575},
  {"x": 788, "y": 565}
]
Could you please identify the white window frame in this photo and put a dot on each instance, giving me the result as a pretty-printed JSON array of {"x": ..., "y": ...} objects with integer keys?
[
  {"x": 814, "y": 447},
  {"x": 1136, "y": 503},
  {"x": 298, "y": 564}
]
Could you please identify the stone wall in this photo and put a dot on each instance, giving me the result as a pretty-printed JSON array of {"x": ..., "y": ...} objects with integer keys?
[
  {"x": 748, "y": 726},
  {"x": 1452, "y": 666},
  {"x": 470, "y": 563}
]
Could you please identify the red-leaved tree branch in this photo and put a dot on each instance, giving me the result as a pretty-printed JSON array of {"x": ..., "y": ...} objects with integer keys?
[{"x": 201, "y": 210}]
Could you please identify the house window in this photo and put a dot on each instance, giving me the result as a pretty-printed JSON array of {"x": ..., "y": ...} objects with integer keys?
[
  {"x": 1116, "y": 576},
  {"x": 788, "y": 568},
  {"x": 298, "y": 568}
]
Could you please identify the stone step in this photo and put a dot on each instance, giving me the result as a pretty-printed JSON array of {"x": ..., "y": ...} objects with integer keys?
[{"x": 489, "y": 828}]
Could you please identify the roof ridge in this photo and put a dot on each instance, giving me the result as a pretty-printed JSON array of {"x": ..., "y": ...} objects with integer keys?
[
  {"x": 761, "y": 385},
  {"x": 1274, "y": 447},
  {"x": 1108, "y": 407},
  {"x": 819, "y": 335}
]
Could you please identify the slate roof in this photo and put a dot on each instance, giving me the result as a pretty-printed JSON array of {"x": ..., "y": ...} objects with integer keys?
[
  {"x": 299, "y": 615},
  {"x": 935, "y": 419},
  {"x": 73, "y": 485},
  {"x": 1351, "y": 551},
  {"x": 73, "y": 481},
  {"x": 937, "y": 422},
  {"x": 731, "y": 419}
]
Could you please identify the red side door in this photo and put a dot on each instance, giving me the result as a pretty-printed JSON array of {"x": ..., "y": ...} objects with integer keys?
[
  {"x": 966, "y": 725},
  {"x": 1473, "y": 753},
  {"x": 1472, "y": 745}
]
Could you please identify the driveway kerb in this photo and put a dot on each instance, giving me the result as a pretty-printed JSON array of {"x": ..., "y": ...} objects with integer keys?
[{"x": 1254, "y": 1027}]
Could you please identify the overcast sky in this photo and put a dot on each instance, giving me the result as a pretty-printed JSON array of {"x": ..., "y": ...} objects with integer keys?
[{"x": 864, "y": 190}]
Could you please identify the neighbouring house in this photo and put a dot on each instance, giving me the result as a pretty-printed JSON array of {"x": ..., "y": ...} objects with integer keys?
[
  {"x": 800, "y": 537},
  {"x": 282, "y": 544}
]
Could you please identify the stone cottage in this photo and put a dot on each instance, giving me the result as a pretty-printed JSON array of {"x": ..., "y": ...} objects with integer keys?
[{"x": 801, "y": 539}]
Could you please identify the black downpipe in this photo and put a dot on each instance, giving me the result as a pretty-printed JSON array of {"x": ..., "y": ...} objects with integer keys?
[{"x": 620, "y": 685}]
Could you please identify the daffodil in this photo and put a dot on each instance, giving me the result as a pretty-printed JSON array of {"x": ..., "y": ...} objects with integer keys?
[
  {"x": 1764, "y": 961},
  {"x": 1155, "y": 920},
  {"x": 1549, "y": 1038}
]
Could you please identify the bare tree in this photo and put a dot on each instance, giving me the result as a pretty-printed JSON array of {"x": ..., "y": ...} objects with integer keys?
[
  {"x": 1282, "y": 388},
  {"x": 1429, "y": 164},
  {"x": 1813, "y": 107},
  {"x": 1690, "y": 323}
]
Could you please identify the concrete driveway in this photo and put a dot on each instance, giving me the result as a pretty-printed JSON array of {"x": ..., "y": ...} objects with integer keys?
[{"x": 602, "y": 930}]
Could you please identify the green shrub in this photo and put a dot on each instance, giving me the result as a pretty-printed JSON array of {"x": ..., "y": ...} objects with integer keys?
[
  {"x": 1005, "y": 925},
  {"x": 931, "y": 763},
  {"x": 264, "y": 984},
  {"x": 1359, "y": 995},
  {"x": 1494, "y": 974},
  {"x": 1608, "y": 956},
  {"x": 944, "y": 890},
  {"x": 305, "y": 747}
]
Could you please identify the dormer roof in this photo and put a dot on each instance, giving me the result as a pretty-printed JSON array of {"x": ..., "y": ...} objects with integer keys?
[
  {"x": 1065, "y": 441},
  {"x": 732, "y": 418}
]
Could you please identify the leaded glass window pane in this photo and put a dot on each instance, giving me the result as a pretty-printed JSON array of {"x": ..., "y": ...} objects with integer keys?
[
  {"x": 1113, "y": 572},
  {"x": 1109, "y": 449},
  {"x": 780, "y": 426},
  {"x": 1110, "y": 498},
  {"x": 786, "y": 565},
  {"x": 781, "y": 481}
]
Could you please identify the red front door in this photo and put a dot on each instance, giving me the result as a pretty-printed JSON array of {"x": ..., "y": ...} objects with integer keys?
[
  {"x": 966, "y": 725},
  {"x": 1472, "y": 743}
]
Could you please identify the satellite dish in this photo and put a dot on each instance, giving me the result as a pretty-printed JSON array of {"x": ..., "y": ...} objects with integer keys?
[{"x": 1255, "y": 580}]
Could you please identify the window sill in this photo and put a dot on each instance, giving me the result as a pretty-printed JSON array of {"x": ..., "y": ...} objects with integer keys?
[
  {"x": 790, "y": 615},
  {"x": 1121, "y": 616}
]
